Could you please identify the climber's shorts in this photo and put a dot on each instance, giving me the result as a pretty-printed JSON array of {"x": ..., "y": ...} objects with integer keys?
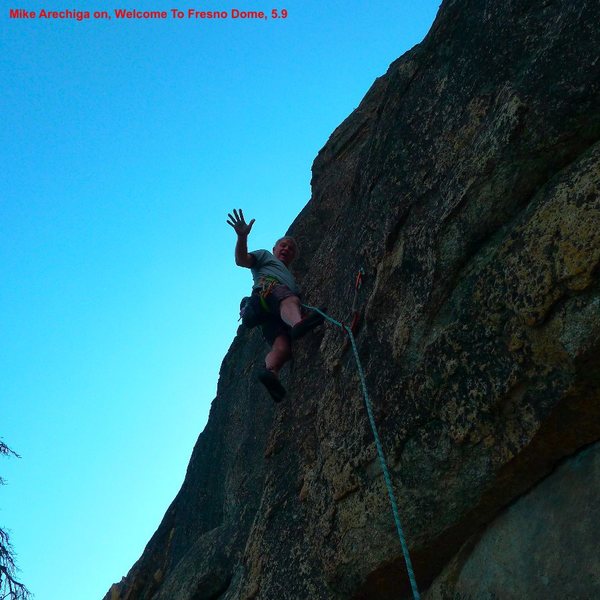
[{"x": 273, "y": 326}]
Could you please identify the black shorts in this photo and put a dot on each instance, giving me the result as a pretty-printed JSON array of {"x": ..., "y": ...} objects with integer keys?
[{"x": 273, "y": 326}]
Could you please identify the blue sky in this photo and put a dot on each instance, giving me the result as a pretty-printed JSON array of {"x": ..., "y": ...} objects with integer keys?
[{"x": 123, "y": 145}]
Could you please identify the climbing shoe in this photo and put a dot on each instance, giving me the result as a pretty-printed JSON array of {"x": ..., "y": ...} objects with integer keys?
[
  {"x": 308, "y": 323},
  {"x": 273, "y": 385}
]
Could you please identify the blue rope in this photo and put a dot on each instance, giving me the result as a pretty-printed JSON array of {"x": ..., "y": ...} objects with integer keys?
[{"x": 384, "y": 468}]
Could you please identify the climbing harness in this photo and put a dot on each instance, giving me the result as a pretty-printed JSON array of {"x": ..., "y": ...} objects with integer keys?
[
  {"x": 382, "y": 460},
  {"x": 267, "y": 285},
  {"x": 254, "y": 309}
]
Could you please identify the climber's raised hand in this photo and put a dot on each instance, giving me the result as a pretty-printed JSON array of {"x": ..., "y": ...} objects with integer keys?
[{"x": 238, "y": 222}]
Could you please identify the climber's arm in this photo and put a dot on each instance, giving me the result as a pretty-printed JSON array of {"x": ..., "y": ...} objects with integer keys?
[{"x": 237, "y": 221}]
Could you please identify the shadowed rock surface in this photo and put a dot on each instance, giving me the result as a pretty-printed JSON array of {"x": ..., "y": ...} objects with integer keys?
[
  {"x": 466, "y": 184},
  {"x": 543, "y": 546}
]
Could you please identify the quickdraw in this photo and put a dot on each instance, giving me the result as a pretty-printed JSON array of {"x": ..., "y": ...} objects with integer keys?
[{"x": 355, "y": 311}]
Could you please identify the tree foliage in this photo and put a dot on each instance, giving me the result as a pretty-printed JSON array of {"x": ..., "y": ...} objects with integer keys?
[{"x": 10, "y": 587}]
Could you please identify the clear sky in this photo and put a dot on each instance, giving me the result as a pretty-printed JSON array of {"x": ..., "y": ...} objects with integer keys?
[{"x": 123, "y": 145}]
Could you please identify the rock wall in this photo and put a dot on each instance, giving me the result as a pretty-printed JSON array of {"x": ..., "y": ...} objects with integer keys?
[
  {"x": 466, "y": 184},
  {"x": 545, "y": 545}
]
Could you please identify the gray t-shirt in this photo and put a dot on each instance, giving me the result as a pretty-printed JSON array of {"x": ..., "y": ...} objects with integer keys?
[{"x": 266, "y": 265}]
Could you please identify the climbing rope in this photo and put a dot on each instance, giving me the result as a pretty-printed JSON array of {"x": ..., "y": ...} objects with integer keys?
[{"x": 384, "y": 468}]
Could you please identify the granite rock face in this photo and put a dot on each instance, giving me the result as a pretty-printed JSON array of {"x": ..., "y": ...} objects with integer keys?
[
  {"x": 545, "y": 545},
  {"x": 466, "y": 184}
]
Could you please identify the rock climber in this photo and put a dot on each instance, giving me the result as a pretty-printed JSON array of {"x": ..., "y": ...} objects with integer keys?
[{"x": 275, "y": 295}]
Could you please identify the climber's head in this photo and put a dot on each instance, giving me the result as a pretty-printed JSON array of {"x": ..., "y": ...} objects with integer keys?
[{"x": 286, "y": 250}]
